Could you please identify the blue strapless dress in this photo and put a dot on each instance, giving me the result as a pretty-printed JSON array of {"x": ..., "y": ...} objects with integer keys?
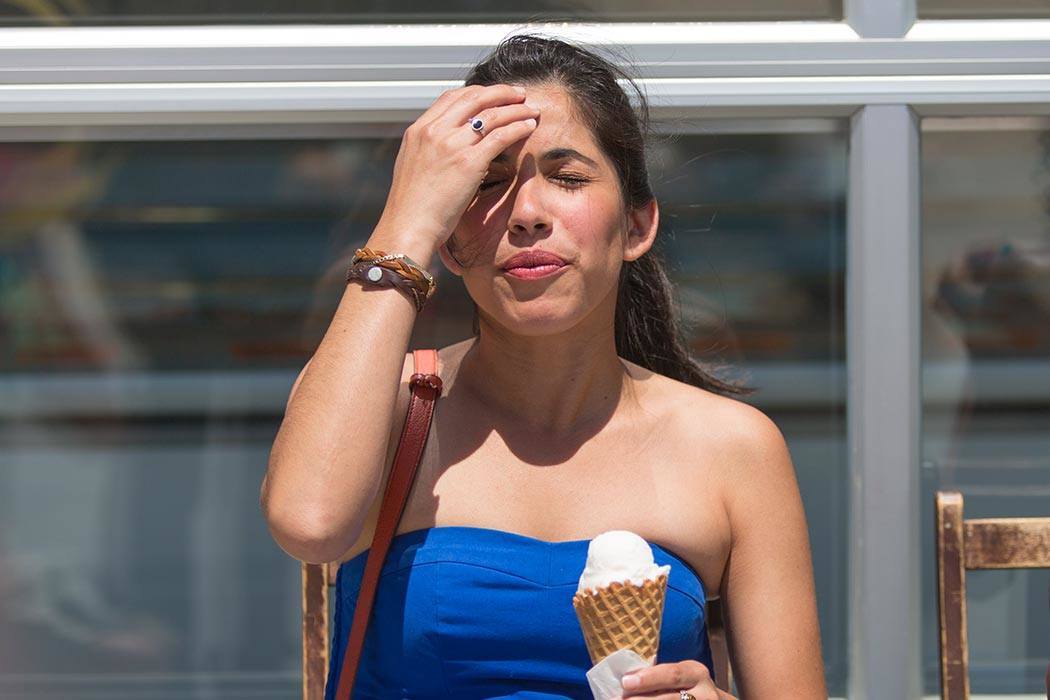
[{"x": 468, "y": 612}]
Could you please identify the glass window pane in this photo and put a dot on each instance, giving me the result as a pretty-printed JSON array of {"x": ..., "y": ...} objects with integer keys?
[
  {"x": 159, "y": 298},
  {"x": 983, "y": 9},
  {"x": 757, "y": 246},
  {"x": 986, "y": 374},
  {"x": 145, "y": 12}
]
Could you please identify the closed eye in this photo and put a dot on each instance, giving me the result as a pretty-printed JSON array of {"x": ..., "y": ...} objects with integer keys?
[{"x": 572, "y": 182}]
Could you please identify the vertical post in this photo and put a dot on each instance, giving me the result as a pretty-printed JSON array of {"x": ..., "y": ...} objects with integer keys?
[
  {"x": 880, "y": 19},
  {"x": 884, "y": 396},
  {"x": 883, "y": 345}
]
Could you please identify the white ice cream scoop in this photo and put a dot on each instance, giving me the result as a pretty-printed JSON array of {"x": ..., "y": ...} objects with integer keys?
[{"x": 619, "y": 555}]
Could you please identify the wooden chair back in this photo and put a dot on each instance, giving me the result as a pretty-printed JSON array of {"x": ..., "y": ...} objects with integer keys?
[
  {"x": 989, "y": 543},
  {"x": 319, "y": 579}
]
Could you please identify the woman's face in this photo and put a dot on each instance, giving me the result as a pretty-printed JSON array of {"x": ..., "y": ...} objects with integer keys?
[{"x": 554, "y": 191}]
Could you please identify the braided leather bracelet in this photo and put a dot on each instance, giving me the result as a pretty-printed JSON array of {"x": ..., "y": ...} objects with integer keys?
[{"x": 379, "y": 268}]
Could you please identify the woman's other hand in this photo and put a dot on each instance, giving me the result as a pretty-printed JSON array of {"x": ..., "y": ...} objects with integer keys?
[{"x": 666, "y": 681}]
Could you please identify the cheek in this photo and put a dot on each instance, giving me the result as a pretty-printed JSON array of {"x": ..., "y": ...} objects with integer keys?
[
  {"x": 478, "y": 234},
  {"x": 593, "y": 223},
  {"x": 475, "y": 216}
]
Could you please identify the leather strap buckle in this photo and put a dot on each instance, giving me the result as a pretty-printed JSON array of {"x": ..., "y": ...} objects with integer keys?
[{"x": 429, "y": 380}]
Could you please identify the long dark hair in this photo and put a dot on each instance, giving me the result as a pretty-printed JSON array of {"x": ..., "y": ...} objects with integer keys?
[{"x": 647, "y": 324}]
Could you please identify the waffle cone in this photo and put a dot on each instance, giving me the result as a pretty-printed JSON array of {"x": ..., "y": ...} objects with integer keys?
[{"x": 622, "y": 616}]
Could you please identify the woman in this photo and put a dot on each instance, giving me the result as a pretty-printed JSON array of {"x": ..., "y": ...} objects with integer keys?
[{"x": 574, "y": 409}]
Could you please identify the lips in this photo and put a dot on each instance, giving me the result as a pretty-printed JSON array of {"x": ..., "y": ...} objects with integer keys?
[{"x": 533, "y": 258}]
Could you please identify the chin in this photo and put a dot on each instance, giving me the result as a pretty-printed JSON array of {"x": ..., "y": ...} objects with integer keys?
[{"x": 535, "y": 318}]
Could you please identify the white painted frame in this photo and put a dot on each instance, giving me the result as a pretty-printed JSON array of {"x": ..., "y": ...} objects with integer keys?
[
  {"x": 879, "y": 67},
  {"x": 316, "y": 74}
]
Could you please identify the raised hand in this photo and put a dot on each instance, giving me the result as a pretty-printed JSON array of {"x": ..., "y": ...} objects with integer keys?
[{"x": 442, "y": 160}]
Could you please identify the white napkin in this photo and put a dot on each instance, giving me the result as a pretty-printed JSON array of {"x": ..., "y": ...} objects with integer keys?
[{"x": 605, "y": 676}]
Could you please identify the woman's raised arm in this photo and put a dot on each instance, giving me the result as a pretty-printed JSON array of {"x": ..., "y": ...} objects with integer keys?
[{"x": 327, "y": 460}]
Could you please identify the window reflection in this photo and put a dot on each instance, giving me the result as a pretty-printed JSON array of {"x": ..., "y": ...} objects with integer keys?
[
  {"x": 983, "y": 9},
  {"x": 144, "y": 12},
  {"x": 986, "y": 372},
  {"x": 160, "y": 296}
]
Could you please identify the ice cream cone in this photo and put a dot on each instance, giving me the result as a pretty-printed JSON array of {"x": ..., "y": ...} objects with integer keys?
[{"x": 622, "y": 616}]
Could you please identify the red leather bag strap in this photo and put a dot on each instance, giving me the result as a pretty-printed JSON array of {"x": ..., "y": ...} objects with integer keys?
[{"x": 425, "y": 386}]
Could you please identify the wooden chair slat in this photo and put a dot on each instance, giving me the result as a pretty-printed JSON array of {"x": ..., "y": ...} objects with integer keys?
[
  {"x": 315, "y": 629},
  {"x": 1008, "y": 543},
  {"x": 716, "y": 633},
  {"x": 951, "y": 599}
]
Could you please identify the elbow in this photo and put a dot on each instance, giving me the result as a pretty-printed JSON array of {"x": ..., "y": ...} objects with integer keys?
[{"x": 308, "y": 538}]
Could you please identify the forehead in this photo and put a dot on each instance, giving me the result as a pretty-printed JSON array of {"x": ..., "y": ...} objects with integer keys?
[{"x": 559, "y": 134}]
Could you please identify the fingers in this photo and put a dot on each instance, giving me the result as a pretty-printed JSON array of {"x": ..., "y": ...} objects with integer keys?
[
  {"x": 501, "y": 107},
  {"x": 666, "y": 680},
  {"x": 440, "y": 106},
  {"x": 500, "y": 138},
  {"x": 474, "y": 99},
  {"x": 501, "y": 116}
]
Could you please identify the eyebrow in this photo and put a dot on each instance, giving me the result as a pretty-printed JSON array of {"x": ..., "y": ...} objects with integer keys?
[{"x": 555, "y": 154}]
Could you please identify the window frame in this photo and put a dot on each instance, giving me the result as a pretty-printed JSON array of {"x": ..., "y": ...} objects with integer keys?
[{"x": 879, "y": 67}]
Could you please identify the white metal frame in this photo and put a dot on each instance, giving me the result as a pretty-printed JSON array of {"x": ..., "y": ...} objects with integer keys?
[
  {"x": 879, "y": 67},
  {"x": 314, "y": 74}
]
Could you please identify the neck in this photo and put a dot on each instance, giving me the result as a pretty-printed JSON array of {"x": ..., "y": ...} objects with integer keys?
[{"x": 557, "y": 385}]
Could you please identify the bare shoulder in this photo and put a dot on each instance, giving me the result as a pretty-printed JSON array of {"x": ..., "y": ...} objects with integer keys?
[
  {"x": 741, "y": 439},
  {"x": 746, "y": 455},
  {"x": 756, "y": 453},
  {"x": 752, "y": 445},
  {"x": 448, "y": 361}
]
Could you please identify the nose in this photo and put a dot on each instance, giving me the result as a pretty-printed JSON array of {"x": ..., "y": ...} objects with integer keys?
[{"x": 528, "y": 214}]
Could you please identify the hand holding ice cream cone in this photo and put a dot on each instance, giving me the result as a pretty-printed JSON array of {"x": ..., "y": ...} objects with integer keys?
[{"x": 620, "y": 603}]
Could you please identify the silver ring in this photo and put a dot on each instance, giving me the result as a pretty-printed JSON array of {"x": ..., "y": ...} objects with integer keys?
[
  {"x": 477, "y": 124},
  {"x": 685, "y": 695}
]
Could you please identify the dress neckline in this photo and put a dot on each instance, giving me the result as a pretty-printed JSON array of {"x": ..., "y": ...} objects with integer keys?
[{"x": 419, "y": 533}]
